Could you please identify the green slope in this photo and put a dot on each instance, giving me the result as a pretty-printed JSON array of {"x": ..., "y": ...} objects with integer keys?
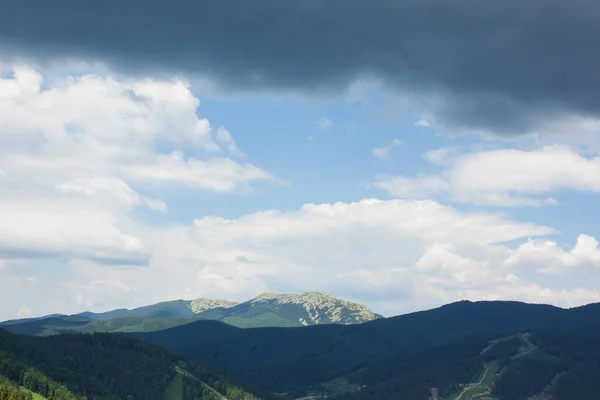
[
  {"x": 106, "y": 367},
  {"x": 294, "y": 360},
  {"x": 80, "y": 324},
  {"x": 174, "y": 390}
]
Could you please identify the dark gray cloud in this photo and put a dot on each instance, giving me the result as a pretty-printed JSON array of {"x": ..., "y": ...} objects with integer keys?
[{"x": 502, "y": 64}]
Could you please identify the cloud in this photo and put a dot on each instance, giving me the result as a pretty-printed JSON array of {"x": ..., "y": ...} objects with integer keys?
[
  {"x": 549, "y": 257},
  {"x": 157, "y": 205},
  {"x": 40, "y": 224},
  {"x": 506, "y": 177},
  {"x": 225, "y": 138},
  {"x": 423, "y": 123},
  {"x": 441, "y": 156},
  {"x": 324, "y": 123},
  {"x": 504, "y": 67},
  {"x": 383, "y": 152},
  {"x": 393, "y": 255},
  {"x": 79, "y": 153},
  {"x": 217, "y": 174}
]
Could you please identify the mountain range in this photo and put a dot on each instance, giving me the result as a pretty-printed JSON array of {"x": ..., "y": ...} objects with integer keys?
[
  {"x": 264, "y": 310},
  {"x": 461, "y": 351},
  {"x": 443, "y": 348}
]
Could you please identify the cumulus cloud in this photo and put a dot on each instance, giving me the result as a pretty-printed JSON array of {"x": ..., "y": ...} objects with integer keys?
[
  {"x": 78, "y": 153},
  {"x": 393, "y": 255},
  {"x": 383, "y": 152},
  {"x": 504, "y": 68},
  {"x": 217, "y": 174},
  {"x": 324, "y": 123},
  {"x": 58, "y": 227},
  {"x": 506, "y": 177},
  {"x": 549, "y": 257}
]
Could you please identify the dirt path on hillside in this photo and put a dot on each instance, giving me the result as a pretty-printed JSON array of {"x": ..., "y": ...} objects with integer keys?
[
  {"x": 183, "y": 372},
  {"x": 472, "y": 385}
]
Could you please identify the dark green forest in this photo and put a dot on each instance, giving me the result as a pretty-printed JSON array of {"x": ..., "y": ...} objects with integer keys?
[
  {"x": 105, "y": 367},
  {"x": 406, "y": 355}
]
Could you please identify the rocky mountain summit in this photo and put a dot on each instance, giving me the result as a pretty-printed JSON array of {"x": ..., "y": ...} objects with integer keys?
[{"x": 314, "y": 308}]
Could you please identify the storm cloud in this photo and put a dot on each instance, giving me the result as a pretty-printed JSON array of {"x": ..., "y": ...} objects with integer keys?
[{"x": 494, "y": 65}]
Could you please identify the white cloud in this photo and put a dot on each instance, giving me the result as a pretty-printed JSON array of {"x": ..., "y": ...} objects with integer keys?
[
  {"x": 55, "y": 226},
  {"x": 225, "y": 138},
  {"x": 156, "y": 205},
  {"x": 97, "y": 148},
  {"x": 98, "y": 187},
  {"x": 383, "y": 152},
  {"x": 549, "y": 257},
  {"x": 441, "y": 156},
  {"x": 421, "y": 187},
  {"x": 395, "y": 256},
  {"x": 78, "y": 153},
  {"x": 218, "y": 174},
  {"x": 324, "y": 123},
  {"x": 97, "y": 124},
  {"x": 380, "y": 152},
  {"x": 502, "y": 177},
  {"x": 423, "y": 123}
]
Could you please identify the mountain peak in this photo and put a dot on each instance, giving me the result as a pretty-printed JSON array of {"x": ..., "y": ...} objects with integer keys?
[
  {"x": 318, "y": 307},
  {"x": 291, "y": 296},
  {"x": 203, "y": 304}
]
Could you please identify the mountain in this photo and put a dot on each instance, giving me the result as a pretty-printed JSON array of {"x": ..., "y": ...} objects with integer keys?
[
  {"x": 167, "y": 309},
  {"x": 26, "y": 320},
  {"x": 104, "y": 367},
  {"x": 287, "y": 310},
  {"x": 297, "y": 360},
  {"x": 265, "y": 310},
  {"x": 461, "y": 351},
  {"x": 80, "y": 324}
]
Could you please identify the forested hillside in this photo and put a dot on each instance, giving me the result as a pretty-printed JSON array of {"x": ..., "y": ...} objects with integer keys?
[
  {"x": 462, "y": 351},
  {"x": 439, "y": 347},
  {"x": 10, "y": 391},
  {"x": 107, "y": 367}
]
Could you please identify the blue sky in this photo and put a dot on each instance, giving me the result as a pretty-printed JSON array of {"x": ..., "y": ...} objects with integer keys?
[{"x": 397, "y": 179}]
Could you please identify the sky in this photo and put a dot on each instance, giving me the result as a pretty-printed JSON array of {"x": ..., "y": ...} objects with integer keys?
[{"x": 402, "y": 154}]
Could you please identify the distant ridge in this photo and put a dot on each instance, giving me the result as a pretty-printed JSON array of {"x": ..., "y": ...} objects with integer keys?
[{"x": 264, "y": 310}]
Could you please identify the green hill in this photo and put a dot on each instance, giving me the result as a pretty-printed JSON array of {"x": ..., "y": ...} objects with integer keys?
[{"x": 106, "y": 367}]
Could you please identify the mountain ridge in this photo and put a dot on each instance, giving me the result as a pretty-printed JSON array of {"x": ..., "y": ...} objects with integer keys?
[
  {"x": 322, "y": 353},
  {"x": 264, "y": 310},
  {"x": 501, "y": 350}
]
